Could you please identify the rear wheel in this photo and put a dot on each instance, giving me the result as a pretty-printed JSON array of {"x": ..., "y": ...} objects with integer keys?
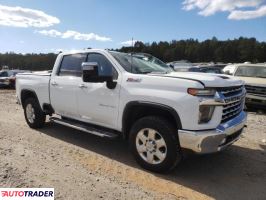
[
  {"x": 154, "y": 143},
  {"x": 33, "y": 113}
]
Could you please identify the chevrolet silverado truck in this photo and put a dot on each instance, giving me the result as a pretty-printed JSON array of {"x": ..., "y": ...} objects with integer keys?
[
  {"x": 254, "y": 76},
  {"x": 140, "y": 98}
]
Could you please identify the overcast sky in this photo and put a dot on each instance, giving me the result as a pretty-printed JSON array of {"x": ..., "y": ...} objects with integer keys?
[{"x": 53, "y": 25}]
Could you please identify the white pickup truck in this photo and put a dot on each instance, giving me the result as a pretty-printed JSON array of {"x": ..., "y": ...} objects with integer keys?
[{"x": 137, "y": 96}]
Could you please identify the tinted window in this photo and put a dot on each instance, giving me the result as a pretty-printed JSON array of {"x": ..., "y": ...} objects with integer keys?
[
  {"x": 105, "y": 67},
  {"x": 211, "y": 70},
  {"x": 71, "y": 65},
  {"x": 3, "y": 74},
  {"x": 194, "y": 69}
]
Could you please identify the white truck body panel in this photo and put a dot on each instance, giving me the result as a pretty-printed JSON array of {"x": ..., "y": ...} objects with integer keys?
[
  {"x": 95, "y": 103},
  {"x": 37, "y": 82}
]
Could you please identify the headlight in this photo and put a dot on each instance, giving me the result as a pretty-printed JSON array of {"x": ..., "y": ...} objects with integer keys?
[
  {"x": 201, "y": 92},
  {"x": 205, "y": 113}
]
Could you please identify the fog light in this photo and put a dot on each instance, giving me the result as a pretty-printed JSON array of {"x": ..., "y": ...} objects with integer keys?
[{"x": 205, "y": 114}]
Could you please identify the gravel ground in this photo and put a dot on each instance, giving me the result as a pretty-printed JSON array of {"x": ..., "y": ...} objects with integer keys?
[{"x": 82, "y": 166}]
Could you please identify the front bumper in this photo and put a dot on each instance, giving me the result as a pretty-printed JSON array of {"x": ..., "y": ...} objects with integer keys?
[{"x": 210, "y": 141}]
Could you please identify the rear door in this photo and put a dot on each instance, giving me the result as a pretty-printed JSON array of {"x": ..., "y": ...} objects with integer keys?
[{"x": 64, "y": 85}]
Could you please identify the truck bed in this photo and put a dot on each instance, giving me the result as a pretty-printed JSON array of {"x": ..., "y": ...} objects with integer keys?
[{"x": 37, "y": 82}]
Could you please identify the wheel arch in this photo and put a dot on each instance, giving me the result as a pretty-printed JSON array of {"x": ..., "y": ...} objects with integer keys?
[
  {"x": 137, "y": 109},
  {"x": 25, "y": 94}
]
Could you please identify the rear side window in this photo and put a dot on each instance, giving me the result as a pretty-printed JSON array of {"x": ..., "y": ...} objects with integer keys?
[
  {"x": 105, "y": 66},
  {"x": 71, "y": 65}
]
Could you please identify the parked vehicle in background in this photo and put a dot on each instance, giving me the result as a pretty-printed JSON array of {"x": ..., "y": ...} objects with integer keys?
[
  {"x": 179, "y": 63},
  {"x": 183, "y": 66},
  {"x": 230, "y": 69},
  {"x": 210, "y": 69},
  {"x": 254, "y": 76},
  {"x": 137, "y": 97},
  {"x": 5, "y": 67},
  {"x": 187, "y": 69},
  {"x": 220, "y": 65},
  {"x": 8, "y": 78}
]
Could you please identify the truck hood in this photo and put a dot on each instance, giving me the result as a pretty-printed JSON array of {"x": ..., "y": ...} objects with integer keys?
[
  {"x": 254, "y": 81},
  {"x": 208, "y": 80}
]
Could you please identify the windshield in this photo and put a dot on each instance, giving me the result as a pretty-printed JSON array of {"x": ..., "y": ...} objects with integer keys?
[
  {"x": 251, "y": 71},
  {"x": 141, "y": 63}
]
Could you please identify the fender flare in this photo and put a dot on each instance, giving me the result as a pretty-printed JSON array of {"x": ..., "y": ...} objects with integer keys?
[{"x": 159, "y": 106}]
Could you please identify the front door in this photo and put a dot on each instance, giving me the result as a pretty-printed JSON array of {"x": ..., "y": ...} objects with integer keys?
[{"x": 96, "y": 103}]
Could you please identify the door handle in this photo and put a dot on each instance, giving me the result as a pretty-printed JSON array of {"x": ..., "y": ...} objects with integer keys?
[
  {"x": 82, "y": 86},
  {"x": 54, "y": 83}
]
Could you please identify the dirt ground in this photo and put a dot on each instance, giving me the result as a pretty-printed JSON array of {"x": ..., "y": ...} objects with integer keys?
[{"x": 82, "y": 166}]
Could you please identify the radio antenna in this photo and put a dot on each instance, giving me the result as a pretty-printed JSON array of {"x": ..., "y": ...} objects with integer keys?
[{"x": 131, "y": 63}]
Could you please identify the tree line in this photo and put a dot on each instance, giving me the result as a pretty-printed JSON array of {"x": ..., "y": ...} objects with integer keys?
[
  {"x": 211, "y": 50},
  {"x": 33, "y": 62}
]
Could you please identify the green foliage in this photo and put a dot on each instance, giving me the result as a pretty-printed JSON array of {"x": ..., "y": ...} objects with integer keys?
[
  {"x": 229, "y": 51},
  {"x": 34, "y": 62},
  {"x": 213, "y": 50}
]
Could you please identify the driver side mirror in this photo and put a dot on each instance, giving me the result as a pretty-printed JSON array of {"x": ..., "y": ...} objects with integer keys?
[{"x": 90, "y": 73}]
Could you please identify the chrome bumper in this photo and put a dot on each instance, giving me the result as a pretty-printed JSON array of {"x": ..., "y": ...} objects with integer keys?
[{"x": 213, "y": 140}]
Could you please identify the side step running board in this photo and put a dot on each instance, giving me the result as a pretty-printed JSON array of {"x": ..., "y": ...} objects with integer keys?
[{"x": 85, "y": 128}]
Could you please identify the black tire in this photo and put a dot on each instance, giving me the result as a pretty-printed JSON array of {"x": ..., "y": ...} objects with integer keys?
[
  {"x": 170, "y": 136},
  {"x": 39, "y": 119}
]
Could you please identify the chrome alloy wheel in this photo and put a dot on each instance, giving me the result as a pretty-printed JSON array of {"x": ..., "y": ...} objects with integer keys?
[
  {"x": 151, "y": 146},
  {"x": 30, "y": 113}
]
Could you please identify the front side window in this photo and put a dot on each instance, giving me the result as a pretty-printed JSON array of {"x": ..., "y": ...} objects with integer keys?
[
  {"x": 71, "y": 65},
  {"x": 105, "y": 66},
  {"x": 251, "y": 71}
]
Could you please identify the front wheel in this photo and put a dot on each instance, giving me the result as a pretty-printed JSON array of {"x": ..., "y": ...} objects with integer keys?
[
  {"x": 154, "y": 143},
  {"x": 33, "y": 113}
]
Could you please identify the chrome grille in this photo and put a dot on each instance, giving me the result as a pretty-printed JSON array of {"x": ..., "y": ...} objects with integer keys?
[
  {"x": 231, "y": 91},
  {"x": 256, "y": 90},
  {"x": 234, "y": 98}
]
